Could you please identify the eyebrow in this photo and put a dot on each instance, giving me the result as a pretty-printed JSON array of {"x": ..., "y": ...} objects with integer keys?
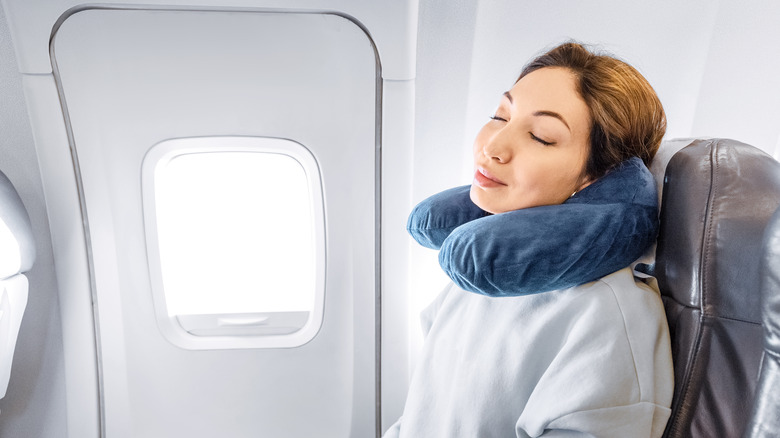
[
  {"x": 553, "y": 114},
  {"x": 541, "y": 113},
  {"x": 508, "y": 96}
]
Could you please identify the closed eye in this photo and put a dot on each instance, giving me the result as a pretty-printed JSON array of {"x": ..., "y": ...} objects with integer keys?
[
  {"x": 544, "y": 142},
  {"x": 495, "y": 117}
]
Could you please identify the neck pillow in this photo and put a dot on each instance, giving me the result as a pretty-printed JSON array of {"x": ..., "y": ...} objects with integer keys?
[{"x": 599, "y": 230}]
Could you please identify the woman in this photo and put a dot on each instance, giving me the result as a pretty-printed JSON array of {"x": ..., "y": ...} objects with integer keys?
[{"x": 591, "y": 360}]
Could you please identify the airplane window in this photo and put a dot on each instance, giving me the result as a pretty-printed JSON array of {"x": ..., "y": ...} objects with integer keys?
[
  {"x": 235, "y": 233},
  {"x": 238, "y": 240}
]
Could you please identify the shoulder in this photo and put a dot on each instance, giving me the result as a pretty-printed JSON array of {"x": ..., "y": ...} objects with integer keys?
[
  {"x": 638, "y": 303},
  {"x": 615, "y": 350},
  {"x": 618, "y": 326}
]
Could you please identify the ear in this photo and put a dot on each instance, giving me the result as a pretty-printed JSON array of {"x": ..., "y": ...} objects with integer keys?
[{"x": 585, "y": 182}]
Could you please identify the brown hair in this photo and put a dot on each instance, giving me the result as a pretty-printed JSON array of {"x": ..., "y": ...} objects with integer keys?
[{"x": 627, "y": 117}]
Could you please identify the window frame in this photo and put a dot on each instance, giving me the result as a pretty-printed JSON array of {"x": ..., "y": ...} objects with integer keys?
[{"x": 233, "y": 336}]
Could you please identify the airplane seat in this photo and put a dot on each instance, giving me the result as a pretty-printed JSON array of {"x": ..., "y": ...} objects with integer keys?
[
  {"x": 718, "y": 196},
  {"x": 17, "y": 254},
  {"x": 765, "y": 418}
]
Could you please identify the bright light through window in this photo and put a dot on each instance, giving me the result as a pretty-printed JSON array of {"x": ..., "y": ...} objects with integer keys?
[{"x": 235, "y": 233}]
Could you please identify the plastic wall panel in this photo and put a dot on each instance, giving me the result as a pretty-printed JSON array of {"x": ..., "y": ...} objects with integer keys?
[
  {"x": 35, "y": 403},
  {"x": 391, "y": 23},
  {"x": 71, "y": 296},
  {"x": 739, "y": 95},
  {"x": 131, "y": 79}
]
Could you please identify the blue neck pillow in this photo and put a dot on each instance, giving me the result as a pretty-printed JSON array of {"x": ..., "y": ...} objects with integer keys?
[{"x": 599, "y": 230}]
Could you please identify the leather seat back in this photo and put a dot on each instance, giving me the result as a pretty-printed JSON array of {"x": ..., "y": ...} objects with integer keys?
[
  {"x": 718, "y": 196},
  {"x": 765, "y": 418}
]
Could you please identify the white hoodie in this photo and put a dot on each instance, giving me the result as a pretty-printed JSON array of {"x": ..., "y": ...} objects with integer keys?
[{"x": 592, "y": 360}]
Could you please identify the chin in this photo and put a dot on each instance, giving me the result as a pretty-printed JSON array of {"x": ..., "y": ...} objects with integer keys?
[{"x": 478, "y": 199}]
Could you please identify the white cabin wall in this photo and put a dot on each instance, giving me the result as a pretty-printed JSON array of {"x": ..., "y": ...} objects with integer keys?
[
  {"x": 391, "y": 26},
  {"x": 740, "y": 93},
  {"x": 35, "y": 403}
]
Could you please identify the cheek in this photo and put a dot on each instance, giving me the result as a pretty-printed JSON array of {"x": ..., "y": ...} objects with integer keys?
[{"x": 547, "y": 179}]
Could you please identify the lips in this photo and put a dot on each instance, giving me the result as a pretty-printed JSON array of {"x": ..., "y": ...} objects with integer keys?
[{"x": 483, "y": 178}]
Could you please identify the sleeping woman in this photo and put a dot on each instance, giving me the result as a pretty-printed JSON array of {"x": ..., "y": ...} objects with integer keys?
[{"x": 545, "y": 330}]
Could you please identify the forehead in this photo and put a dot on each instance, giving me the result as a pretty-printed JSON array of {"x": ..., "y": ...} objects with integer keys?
[{"x": 551, "y": 89}]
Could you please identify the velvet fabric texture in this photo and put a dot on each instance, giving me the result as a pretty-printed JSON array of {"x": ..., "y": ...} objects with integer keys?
[{"x": 599, "y": 230}]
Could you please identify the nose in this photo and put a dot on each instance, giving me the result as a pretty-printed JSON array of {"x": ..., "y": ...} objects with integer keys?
[{"x": 498, "y": 148}]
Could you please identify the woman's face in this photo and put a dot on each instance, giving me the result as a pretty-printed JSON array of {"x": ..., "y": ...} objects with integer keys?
[{"x": 533, "y": 150}]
